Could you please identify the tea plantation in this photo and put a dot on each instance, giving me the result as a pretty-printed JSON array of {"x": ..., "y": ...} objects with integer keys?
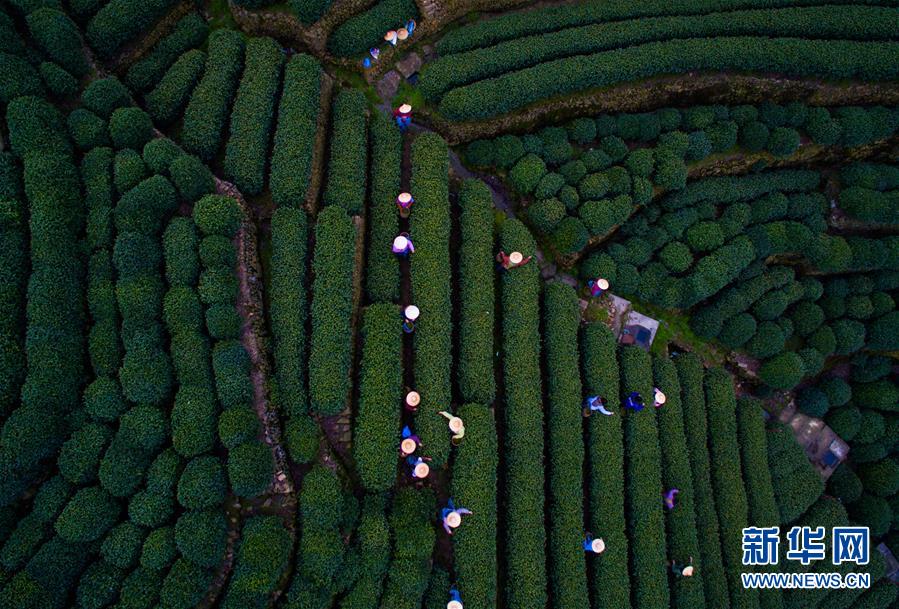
[{"x": 653, "y": 253}]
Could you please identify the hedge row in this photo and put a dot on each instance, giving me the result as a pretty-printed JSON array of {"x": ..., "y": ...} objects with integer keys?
[
  {"x": 20, "y": 78},
  {"x": 561, "y": 318},
  {"x": 869, "y": 192},
  {"x": 690, "y": 374},
  {"x": 373, "y": 542},
  {"x": 59, "y": 37},
  {"x": 382, "y": 274},
  {"x": 54, "y": 340},
  {"x": 796, "y": 483},
  {"x": 646, "y": 520},
  {"x": 828, "y": 22},
  {"x": 430, "y": 272},
  {"x": 263, "y": 555},
  {"x": 759, "y": 489},
  {"x": 309, "y": 11},
  {"x": 189, "y": 33},
  {"x": 376, "y": 429},
  {"x": 413, "y": 542},
  {"x": 682, "y": 536},
  {"x": 289, "y": 307},
  {"x": 873, "y": 61},
  {"x": 13, "y": 280},
  {"x": 476, "y": 354},
  {"x": 525, "y": 534},
  {"x": 122, "y": 21},
  {"x": 206, "y": 116},
  {"x": 552, "y": 18},
  {"x": 366, "y": 29},
  {"x": 166, "y": 101},
  {"x": 474, "y": 486},
  {"x": 727, "y": 479},
  {"x": 298, "y": 113},
  {"x": 253, "y": 116},
  {"x": 610, "y": 580},
  {"x": 731, "y": 189},
  {"x": 349, "y": 153},
  {"x": 331, "y": 311}
]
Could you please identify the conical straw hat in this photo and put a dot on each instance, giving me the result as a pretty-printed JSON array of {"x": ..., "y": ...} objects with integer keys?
[
  {"x": 454, "y": 605},
  {"x": 603, "y": 284},
  {"x": 456, "y": 425},
  {"x": 411, "y": 312},
  {"x": 422, "y": 470},
  {"x": 413, "y": 399},
  {"x": 598, "y": 546},
  {"x": 405, "y": 109},
  {"x": 660, "y": 397},
  {"x": 404, "y": 197},
  {"x": 516, "y": 257},
  {"x": 390, "y": 35},
  {"x": 453, "y": 519},
  {"x": 408, "y": 446},
  {"x": 402, "y": 33},
  {"x": 400, "y": 243},
  {"x": 688, "y": 571}
]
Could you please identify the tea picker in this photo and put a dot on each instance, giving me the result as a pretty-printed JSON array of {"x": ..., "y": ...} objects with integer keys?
[
  {"x": 410, "y": 315},
  {"x": 402, "y": 245},
  {"x": 597, "y": 546},
  {"x": 409, "y": 443},
  {"x": 598, "y": 403},
  {"x": 452, "y": 516},
  {"x": 455, "y": 601},
  {"x": 456, "y": 426}
]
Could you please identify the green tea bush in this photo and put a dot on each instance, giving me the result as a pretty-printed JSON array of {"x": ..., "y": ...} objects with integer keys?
[
  {"x": 130, "y": 128},
  {"x": 191, "y": 177},
  {"x": 189, "y": 33},
  {"x": 58, "y": 82},
  {"x": 295, "y": 133},
  {"x": 366, "y": 29},
  {"x": 413, "y": 532},
  {"x": 201, "y": 537},
  {"x": 321, "y": 548},
  {"x": 253, "y": 116},
  {"x": 121, "y": 21},
  {"x": 288, "y": 306},
  {"x": 430, "y": 272},
  {"x": 58, "y": 36},
  {"x": 332, "y": 292},
  {"x": 348, "y": 153},
  {"x": 104, "y": 95},
  {"x": 561, "y": 317},
  {"x": 167, "y": 100},
  {"x": 525, "y": 539},
  {"x": 206, "y": 116},
  {"x": 185, "y": 584},
  {"x": 87, "y": 516},
  {"x": 380, "y": 383},
  {"x": 382, "y": 271},
  {"x": 250, "y": 469}
]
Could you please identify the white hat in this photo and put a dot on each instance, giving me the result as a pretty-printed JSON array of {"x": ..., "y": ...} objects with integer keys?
[
  {"x": 408, "y": 446},
  {"x": 390, "y": 35},
  {"x": 456, "y": 425},
  {"x": 412, "y": 398},
  {"x": 402, "y": 33},
  {"x": 660, "y": 397},
  {"x": 453, "y": 519},
  {"x": 516, "y": 257},
  {"x": 404, "y": 197},
  {"x": 688, "y": 571},
  {"x": 454, "y": 605},
  {"x": 400, "y": 242},
  {"x": 422, "y": 470},
  {"x": 411, "y": 312},
  {"x": 603, "y": 284},
  {"x": 405, "y": 109},
  {"x": 598, "y": 545}
]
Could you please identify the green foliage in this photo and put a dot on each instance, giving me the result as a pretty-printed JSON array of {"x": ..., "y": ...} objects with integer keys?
[
  {"x": 295, "y": 134},
  {"x": 321, "y": 548},
  {"x": 380, "y": 383},
  {"x": 201, "y": 537},
  {"x": 58, "y": 36},
  {"x": 87, "y": 130},
  {"x": 784, "y": 371},
  {"x": 476, "y": 379},
  {"x": 166, "y": 101},
  {"x": 79, "y": 458},
  {"x": 413, "y": 535},
  {"x": 121, "y": 21},
  {"x": 783, "y": 141},
  {"x": 309, "y": 11},
  {"x": 794, "y": 56},
  {"x": 20, "y": 78},
  {"x": 570, "y": 236},
  {"x": 128, "y": 170},
  {"x": 527, "y": 173},
  {"x": 366, "y": 29},
  {"x": 122, "y": 546},
  {"x": 250, "y": 468},
  {"x": 561, "y": 317},
  {"x": 348, "y": 148},
  {"x": 130, "y": 128},
  {"x": 185, "y": 585},
  {"x": 525, "y": 535},
  {"x": 430, "y": 272},
  {"x": 253, "y": 115},
  {"x": 871, "y": 511},
  {"x": 330, "y": 348},
  {"x": 207, "y": 112},
  {"x": 797, "y": 484},
  {"x": 602, "y": 215},
  {"x": 99, "y": 585},
  {"x": 193, "y": 420},
  {"x": 87, "y": 516},
  {"x": 690, "y": 374},
  {"x": 382, "y": 271},
  {"x": 202, "y": 484},
  {"x": 882, "y": 332},
  {"x": 217, "y": 215},
  {"x": 189, "y": 33},
  {"x": 191, "y": 177},
  {"x": 545, "y": 215}
]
